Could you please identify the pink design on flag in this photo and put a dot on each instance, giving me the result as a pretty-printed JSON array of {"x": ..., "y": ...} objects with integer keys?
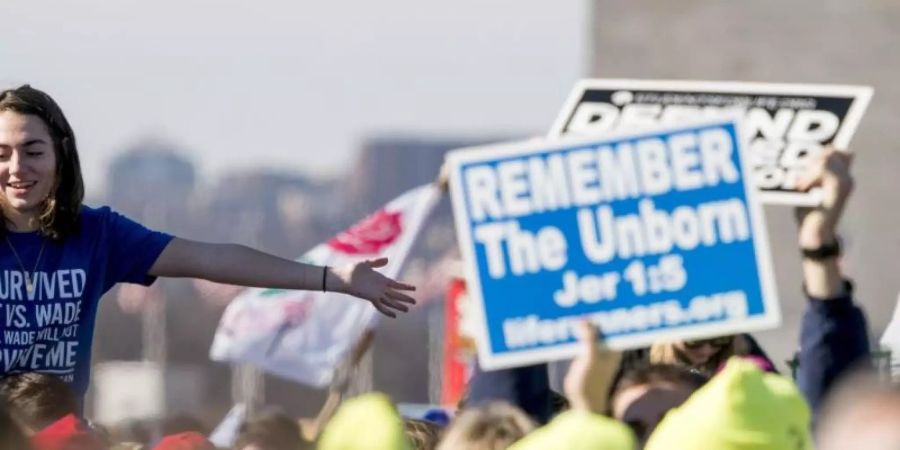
[{"x": 371, "y": 235}]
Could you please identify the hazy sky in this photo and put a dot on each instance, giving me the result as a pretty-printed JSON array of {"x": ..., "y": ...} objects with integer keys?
[{"x": 291, "y": 84}]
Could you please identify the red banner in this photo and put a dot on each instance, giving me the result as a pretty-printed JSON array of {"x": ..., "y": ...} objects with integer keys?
[{"x": 457, "y": 348}]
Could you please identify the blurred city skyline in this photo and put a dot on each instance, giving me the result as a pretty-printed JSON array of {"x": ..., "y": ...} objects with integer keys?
[{"x": 287, "y": 85}]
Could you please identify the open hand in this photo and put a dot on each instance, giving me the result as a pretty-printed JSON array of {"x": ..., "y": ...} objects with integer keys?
[{"x": 363, "y": 281}]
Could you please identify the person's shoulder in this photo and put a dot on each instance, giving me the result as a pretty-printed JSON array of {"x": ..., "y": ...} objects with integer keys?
[
  {"x": 92, "y": 222},
  {"x": 101, "y": 219},
  {"x": 93, "y": 215},
  {"x": 104, "y": 219}
]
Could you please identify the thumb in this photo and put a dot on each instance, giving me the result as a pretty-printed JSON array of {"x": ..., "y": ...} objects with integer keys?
[
  {"x": 374, "y": 263},
  {"x": 587, "y": 337}
]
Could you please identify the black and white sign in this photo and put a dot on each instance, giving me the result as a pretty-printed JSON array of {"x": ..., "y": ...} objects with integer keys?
[{"x": 788, "y": 123}]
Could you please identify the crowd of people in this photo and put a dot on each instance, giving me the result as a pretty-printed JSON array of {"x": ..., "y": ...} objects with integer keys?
[{"x": 718, "y": 393}]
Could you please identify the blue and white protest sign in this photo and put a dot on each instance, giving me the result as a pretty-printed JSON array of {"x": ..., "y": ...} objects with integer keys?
[{"x": 652, "y": 236}]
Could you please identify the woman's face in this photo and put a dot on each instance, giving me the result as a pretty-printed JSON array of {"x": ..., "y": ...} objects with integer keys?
[
  {"x": 700, "y": 352},
  {"x": 27, "y": 163}
]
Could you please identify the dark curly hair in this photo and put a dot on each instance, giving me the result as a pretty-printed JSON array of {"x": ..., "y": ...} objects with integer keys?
[{"x": 59, "y": 216}]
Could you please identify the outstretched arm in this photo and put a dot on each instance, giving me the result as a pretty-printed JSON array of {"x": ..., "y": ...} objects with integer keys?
[{"x": 244, "y": 266}]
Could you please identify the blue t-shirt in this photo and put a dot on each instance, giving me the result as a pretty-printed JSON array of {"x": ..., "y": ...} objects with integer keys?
[{"x": 50, "y": 328}]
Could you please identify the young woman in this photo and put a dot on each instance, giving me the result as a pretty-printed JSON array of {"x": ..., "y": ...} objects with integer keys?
[{"x": 58, "y": 257}]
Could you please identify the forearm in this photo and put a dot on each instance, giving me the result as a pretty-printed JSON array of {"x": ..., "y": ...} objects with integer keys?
[
  {"x": 244, "y": 266},
  {"x": 239, "y": 265},
  {"x": 823, "y": 278}
]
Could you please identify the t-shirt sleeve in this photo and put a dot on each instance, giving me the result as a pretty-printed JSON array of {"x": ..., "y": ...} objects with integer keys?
[{"x": 133, "y": 249}]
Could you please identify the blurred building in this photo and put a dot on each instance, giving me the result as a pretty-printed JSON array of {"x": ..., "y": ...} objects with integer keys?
[
  {"x": 388, "y": 165},
  {"x": 153, "y": 183},
  {"x": 281, "y": 213}
]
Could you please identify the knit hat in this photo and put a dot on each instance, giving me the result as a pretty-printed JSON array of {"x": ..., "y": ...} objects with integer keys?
[
  {"x": 190, "y": 440},
  {"x": 578, "y": 430},
  {"x": 741, "y": 408},
  {"x": 67, "y": 433},
  {"x": 367, "y": 422}
]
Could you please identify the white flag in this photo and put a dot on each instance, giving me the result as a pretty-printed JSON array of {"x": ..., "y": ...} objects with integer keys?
[{"x": 305, "y": 335}]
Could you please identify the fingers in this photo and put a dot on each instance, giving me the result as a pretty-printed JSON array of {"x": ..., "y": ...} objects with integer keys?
[
  {"x": 382, "y": 308},
  {"x": 836, "y": 181},
  {"x": 592, "y": 345},
  {"x": 381, "y": 262},
  {"x": 384, "y": 292},
  {"x": 394, "y": 304},
  {"x": 400, "y": 297},
  {"x": 830, "y": 161},
  {"x": 837, "y": 163},
  {"x": 375, "y": 263},
  {"x": 586, "y": 333},
  {"x": 838, "y": 166},
  {"x": 402, "y": 286},
  {"x": 389, "y": 306},
  {"x": 813, "y": 174}
]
